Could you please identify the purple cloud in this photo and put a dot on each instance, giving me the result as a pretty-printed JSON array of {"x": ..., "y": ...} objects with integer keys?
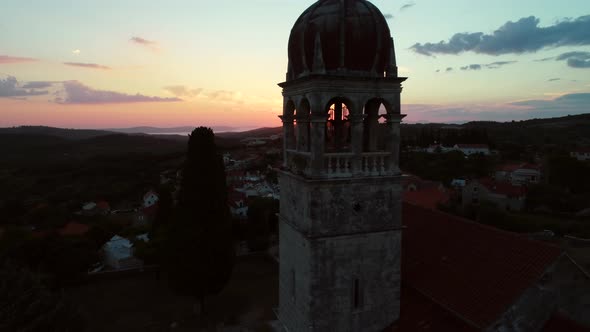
[
  {"x": 183, "y": 91},
  {"x": 522, "y": 36},
  {"x": 38, "y": 85},
  {"x": 87, "y": 65},
  {"x": 150, "y": 44},
  {"x": 15, "y": 59},
  {"x": 78, "y": 93},
  {"x": 10, "y": 87}
]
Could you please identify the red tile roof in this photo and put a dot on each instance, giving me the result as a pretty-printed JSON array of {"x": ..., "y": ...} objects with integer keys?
[
  {"x": 516, "y": 166},
  {"x": 428, "y": 198},
  {"x": 74, "y": 229},
  {"x": 472, "y": 270},
  {"x": 503, "y": 188},
  {"x": 103, "y": 205},
  {"x": 560, "y": 323},
  {"x": 419, "y": 313}
]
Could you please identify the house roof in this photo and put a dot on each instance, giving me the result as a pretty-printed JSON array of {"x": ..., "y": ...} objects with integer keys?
[
  {"x": 471, "y": 270},
  {"x": 103, "y": 205},
  {"x": 472, "y": 146},
  {"x": 428, "y": 198},
  {"x": 149, "y": 193},
  {"x": 511, "y": 167},
  {"x": 74, "y": 229},
  {"x": 559, "y": 322},
  {"x": 503, "y": 188},
  {"x": 419, "y": 313}
]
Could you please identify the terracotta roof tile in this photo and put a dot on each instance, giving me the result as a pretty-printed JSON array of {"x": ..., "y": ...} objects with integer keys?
[
  {"x": 428, "y": 198},
  {"x": 560, "y": 323},
  {"x": 74, "y": 229},
  {"x": 470, "y": 269}
]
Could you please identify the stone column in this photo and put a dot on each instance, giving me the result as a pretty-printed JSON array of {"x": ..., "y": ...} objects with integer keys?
[
  {"x": 394, "y": 140},
  {"x": 288, "y": 135},
  {"x": 302, "y": 132},
  {"x": 356, "y": 123},
  {"x": 372, "y": 127},
  {"x": 318, "y": 142}
]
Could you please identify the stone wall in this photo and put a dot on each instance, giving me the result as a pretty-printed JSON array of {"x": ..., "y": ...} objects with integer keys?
[{"x": 340, "y": 252}]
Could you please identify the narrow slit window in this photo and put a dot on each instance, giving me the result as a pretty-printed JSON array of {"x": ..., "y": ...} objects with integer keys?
[
  {"x": 293, "y": 285},
  {"x": 356, "y": 293}
]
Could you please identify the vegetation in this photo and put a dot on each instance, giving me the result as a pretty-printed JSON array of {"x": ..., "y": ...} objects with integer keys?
[
  {"x": 27, "y": 305},
  {"x": 198, "y": 247},
  {"x": 445, "y": 167},
  {"x": 262, "y": 219}
]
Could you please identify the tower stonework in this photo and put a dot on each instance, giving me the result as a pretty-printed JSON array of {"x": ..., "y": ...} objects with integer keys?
[{"x": 340, "y": 215}]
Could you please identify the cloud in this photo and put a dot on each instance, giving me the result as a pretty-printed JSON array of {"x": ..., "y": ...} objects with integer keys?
[
  {"x": 15, "y": 59},
  {"x": 149, "y": 44},
  {"x": 78, "y": 93},
  {"x": 449, "y": 69},
  {"x": 388, "y": 16},
  {"x": 87, "y": 65},
  {"x": 493, "y": 65},
  {"x": 472, "y": 67},
  {"x": 226, "y": 96},
  {"x": 76, "y": 52},
  {"x": 183, "y": 91},
  {"x": 38, "y": 85},
  {"x": 567, "y": 104},
  {"x": 499, "y": 64},
  {"x": 553, "y": 79},
  {"x": 545, "y": 59},
  {"x": 9, "y": 87},
  {"x": 575, "y": 59},
  {"x": 523, "y": 36},
  {"x": 407, "y": 6}
]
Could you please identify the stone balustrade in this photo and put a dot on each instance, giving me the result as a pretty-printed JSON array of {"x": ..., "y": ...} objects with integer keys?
[{"x": 342, "y": 165}]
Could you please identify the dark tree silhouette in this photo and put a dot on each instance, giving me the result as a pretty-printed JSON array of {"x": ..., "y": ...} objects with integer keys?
[{"x": 198, "y": 250}]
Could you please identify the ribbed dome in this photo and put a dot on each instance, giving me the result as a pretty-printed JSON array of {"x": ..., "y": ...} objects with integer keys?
[{"x": 349, "y": 37}]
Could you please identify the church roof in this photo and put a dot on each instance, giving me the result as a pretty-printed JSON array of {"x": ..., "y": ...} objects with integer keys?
[
  {"x": 471, "y": 270},
  {"x": 336, "y": 36}
]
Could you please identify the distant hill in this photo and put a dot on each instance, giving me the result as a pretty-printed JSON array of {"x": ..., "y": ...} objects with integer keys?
[
  {"x": 37, "y": 149},
  {"x": 74, "y": 134},
  {"x": 171, "y": 130},
  {"x": 260, "y": 132},
  {"x": 564, "y": 131}
]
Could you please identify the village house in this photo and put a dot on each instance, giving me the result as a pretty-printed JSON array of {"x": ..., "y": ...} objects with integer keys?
[
  {"x": 504, "y": 195},
  {"x": 118, "y": 254},
  {"x": 150, "y": 199},
  {"x": 518, "y": 174},
  {"x": 469, "y": 149},
  {"x": 238, "y": 204},
  {"x": 582, "y": 154}
]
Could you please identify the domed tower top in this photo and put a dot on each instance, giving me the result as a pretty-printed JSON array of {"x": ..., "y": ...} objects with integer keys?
[{"x": 341, "y": 37}]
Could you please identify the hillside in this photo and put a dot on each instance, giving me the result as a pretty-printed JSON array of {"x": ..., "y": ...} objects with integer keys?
[
  {"x": 565, "y": 131},
  {"x": 73, "y": 134},
  {"x": 38, "y": 150}
]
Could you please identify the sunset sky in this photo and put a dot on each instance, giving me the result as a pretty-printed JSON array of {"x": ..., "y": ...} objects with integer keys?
[{"x": 124, "y": 63}]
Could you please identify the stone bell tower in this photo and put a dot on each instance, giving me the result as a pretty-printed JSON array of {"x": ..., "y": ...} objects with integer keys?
[{"x": 340, "y": 216}]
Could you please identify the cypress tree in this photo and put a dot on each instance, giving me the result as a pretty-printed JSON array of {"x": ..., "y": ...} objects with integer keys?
[{"x": 199, "y": 252}]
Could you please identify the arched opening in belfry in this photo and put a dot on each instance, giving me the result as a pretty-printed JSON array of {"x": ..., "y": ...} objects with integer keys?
[
  {"x": 338, "y": 130},
  {"x": 374, "y": 125},
  {"x": 289, "y": 114},
  {"x": 302, "y": 125}
]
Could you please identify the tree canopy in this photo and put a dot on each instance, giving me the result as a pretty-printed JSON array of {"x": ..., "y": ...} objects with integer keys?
[{"x": 198, "y": 250}]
